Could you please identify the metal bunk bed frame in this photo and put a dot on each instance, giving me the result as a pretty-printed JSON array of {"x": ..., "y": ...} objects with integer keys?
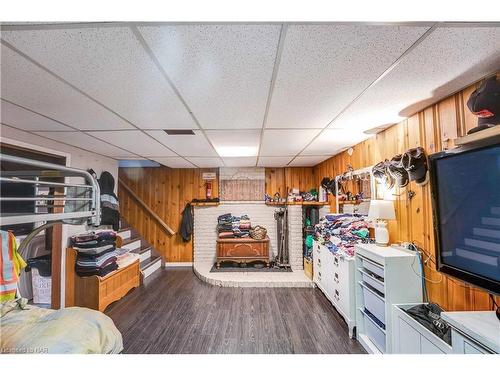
[{"x": 89, "y": 212}]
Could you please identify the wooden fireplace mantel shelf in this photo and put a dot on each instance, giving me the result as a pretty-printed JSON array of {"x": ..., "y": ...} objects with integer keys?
[{"x": 242, "y": 250}]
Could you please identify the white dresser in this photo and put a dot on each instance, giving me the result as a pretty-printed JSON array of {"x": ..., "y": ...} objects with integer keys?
[
  {"x": 410, "y": 337},
  {"x": 383, "y": 276},
  {"x": 474, "y": 332},
  {"x": 334, "y": 275}
]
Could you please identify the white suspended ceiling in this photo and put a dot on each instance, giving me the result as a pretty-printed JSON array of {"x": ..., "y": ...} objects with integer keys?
[{"x": 253, "y": 94}]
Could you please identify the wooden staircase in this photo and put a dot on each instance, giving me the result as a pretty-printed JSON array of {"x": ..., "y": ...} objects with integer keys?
[{"x": 150, "y": 260}]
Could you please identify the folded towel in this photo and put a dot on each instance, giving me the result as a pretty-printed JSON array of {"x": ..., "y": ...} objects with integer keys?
[{"x": 127, "y": 259}]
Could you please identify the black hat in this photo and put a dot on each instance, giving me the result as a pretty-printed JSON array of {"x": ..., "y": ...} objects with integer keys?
[
  {"x": 485, "y": 102},
  {"x": 325, "y": 182}
]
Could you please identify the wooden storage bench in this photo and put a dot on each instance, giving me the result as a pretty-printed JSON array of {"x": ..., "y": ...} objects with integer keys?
[
  {"x": 96, "y": 292},
  {"x": 242, "y": 250}
]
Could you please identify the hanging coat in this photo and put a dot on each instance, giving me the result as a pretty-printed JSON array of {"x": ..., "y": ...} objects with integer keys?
[
  {"x": 187, "y": 223},
  {"x": 110, "y": 207}
]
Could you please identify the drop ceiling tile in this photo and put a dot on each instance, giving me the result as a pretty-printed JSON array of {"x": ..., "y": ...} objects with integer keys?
[
  {"x": 449, "y": 59},
  {"x": 285, "y": 142},
  {"x": 222, "y": 71},
  {"x": 247, "y": 139},
  {"x": 111, "y": 65},
  {"x": 185, "y": 145},
  {"x": 330, "y": 141},
  {"x": 206, "y": 162},
  {"x": 87, "y": 143},
  {"x": 240, "y": 162},
  {"x": 324, "y": 67},
  {"x": 274, "y": 161},
  {"x": 26, "y": 84},
  {"x": 174, "y": 162},
  {"x": 307, "y": 161},
  {"x": 25, "y": 120},
  {"x": 135, "y": 141}
]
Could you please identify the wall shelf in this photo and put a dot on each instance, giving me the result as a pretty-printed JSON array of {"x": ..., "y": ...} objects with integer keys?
[
  {"x": 205, "y": 203},
  {"x": 297, "y": 203}
]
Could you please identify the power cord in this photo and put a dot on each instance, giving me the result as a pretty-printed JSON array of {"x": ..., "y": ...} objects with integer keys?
[
  {"x": 423, "y": 262},
  {"x": 420, "y": 257}
]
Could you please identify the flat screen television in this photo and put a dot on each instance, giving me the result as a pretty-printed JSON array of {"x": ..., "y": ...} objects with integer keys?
[{"x": 465, "y": 187}]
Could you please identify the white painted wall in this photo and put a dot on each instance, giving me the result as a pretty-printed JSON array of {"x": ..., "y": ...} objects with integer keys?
[{"x": 75, "y": 158}]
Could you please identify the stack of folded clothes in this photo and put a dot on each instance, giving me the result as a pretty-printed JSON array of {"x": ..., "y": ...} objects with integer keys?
[
  {"x": 97, "y": 253},
  {"x": 225, "y": 226},
  {"x": 229, "y": 226}
]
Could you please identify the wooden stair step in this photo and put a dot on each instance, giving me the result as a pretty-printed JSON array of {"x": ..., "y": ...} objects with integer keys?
[
  {"x": 150, "y": 265},
  {"x": 144, "y": 252}
]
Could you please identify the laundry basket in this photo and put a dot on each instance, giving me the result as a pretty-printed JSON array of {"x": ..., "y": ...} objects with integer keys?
[
  {"x": 42, "y": 287},
  {"x": 41, "y": 278},
  {"x": 258, "y": 233}
]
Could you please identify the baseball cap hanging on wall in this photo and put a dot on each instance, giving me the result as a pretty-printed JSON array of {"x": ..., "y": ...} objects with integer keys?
[
  {"x": 415, "y": 163},
  {"x": 484, "y": 102}
]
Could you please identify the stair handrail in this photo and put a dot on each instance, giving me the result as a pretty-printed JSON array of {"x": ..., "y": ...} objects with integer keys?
[{"x": 146, "y": 207}]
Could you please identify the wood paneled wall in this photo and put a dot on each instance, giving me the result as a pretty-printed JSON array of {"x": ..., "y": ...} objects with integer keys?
[
  {"x": 166, "y": 191},
  {"x": 435, "y": 128},
  {"x": 279, "y": 179}
]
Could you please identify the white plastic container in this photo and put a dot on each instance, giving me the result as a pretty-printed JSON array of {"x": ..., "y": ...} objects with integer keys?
[
  {"x": 42, "y": 288},
  {"x": 373, "y": 283},
  {"x": 374, "y": 303},
  {"x": 375, "y": 333},
  {"x": 374, "y": 268}
]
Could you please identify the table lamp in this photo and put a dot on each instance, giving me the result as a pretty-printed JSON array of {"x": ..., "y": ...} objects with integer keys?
[{"x": 382, "y": 211}]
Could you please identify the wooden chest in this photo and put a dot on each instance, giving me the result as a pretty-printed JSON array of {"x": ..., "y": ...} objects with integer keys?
[
  {"x": 96, "y": 292},
  {"x": 242, "y": 250}
]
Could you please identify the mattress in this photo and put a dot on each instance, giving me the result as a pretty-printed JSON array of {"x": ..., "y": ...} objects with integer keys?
[{"x": 75, "y": 330}]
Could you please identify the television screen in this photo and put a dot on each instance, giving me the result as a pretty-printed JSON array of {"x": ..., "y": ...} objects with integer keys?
[{"x": 466, "y": 202}]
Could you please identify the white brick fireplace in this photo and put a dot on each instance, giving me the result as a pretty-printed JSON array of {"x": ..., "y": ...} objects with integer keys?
[{"x": 205, "y": 234}]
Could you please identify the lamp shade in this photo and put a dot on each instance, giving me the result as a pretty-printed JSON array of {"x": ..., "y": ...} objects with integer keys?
[{"x": 380, "y": 209}]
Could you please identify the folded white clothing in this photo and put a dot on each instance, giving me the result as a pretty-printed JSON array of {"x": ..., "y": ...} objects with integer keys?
[{"x": 127, "y": 260}]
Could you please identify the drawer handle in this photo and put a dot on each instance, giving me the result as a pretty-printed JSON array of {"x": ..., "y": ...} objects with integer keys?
[
  {"x": 336, "y": 261},
  {"x": 336, "y": 277},
  {"x": 319, "y": 274}
]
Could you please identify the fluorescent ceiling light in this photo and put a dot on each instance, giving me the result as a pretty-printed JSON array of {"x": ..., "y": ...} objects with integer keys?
[{"x": 237, "y": 151}]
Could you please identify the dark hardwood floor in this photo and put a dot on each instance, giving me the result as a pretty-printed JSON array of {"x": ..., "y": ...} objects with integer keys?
[{"x": 175, "y": 312}]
